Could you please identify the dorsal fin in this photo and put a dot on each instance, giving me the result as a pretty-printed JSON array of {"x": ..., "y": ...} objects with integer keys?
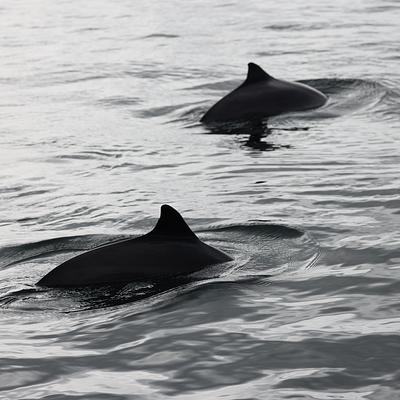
[
  {"x": 255, "y": 74},
  {"x": 172, "y": 224}
]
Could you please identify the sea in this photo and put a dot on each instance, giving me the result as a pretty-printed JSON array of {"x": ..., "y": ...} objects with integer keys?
[{"x": 99, "y": 126}]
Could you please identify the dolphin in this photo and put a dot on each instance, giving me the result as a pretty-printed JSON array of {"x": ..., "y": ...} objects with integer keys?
[
  {"x": 261, "y": 96},
  {"x": 170, "y": 250}
]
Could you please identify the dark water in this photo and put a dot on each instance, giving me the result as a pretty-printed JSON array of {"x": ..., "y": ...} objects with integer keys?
[{"x": 99, "y": 126}]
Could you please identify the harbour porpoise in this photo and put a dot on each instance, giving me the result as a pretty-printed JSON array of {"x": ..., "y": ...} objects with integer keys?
[
  {"x": 261, "y": 96},
  {"x": 170, "y": 250}
]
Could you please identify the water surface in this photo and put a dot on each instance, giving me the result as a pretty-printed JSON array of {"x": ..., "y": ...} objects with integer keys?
[{"x": 99, "y": 126}]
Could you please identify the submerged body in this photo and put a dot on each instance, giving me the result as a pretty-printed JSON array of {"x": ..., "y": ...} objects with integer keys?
[
  {"x": 261, "y": 96},
  {"x": 170, "y": 250}
]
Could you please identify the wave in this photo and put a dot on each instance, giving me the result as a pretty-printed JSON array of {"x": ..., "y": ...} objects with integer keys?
[{"x": 348, "y": 96}]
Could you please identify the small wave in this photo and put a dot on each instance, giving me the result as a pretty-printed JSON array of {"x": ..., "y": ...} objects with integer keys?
[
  {"x": 270, "y": 249},
  {"x": 215, "y": 86},
  {"x": 294, "y": 27},
  {"x": 347, "y": 96},
  {"x": 160, "y": 36},
  {"x": 87, "y": 155},
  {"x": 265, "y": 231},
  {"x": 156, "y": 112},
  {"x": 12, "y": 255},
  {"x": 119, "y": 101},
  {"x": 85, "y": 78}
]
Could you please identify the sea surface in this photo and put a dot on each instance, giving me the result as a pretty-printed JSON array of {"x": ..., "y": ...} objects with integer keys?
[{"x": 99, "y": 126}]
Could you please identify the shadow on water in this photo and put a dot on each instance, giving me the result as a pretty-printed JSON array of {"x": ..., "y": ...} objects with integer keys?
[
  {"x": 259, "y": 250},
  {"x": 256, "y": 133},
  {"x": 70, "y": 300}
]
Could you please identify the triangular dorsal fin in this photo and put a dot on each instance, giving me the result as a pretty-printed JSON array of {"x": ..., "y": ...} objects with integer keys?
[
  {"x": 172, "y": 224},
  {"x": 255, "y": 74}
]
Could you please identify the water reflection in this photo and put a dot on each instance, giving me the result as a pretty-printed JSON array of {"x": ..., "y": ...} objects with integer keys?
[{"x": 255, "y": 132}]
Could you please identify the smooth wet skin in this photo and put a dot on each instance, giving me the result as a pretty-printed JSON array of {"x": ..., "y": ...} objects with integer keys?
[
  {"x": 261, "y": 96},
  {"x": 170, "y": 250}
]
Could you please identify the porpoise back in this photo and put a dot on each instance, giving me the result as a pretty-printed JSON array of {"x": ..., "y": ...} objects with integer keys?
[
  {"x": 261, "y": 96},
  {"x": 170, "y": 250}
]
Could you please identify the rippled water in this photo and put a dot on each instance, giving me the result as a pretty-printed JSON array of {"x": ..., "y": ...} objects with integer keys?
[{"x": 99, "y": 126}]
